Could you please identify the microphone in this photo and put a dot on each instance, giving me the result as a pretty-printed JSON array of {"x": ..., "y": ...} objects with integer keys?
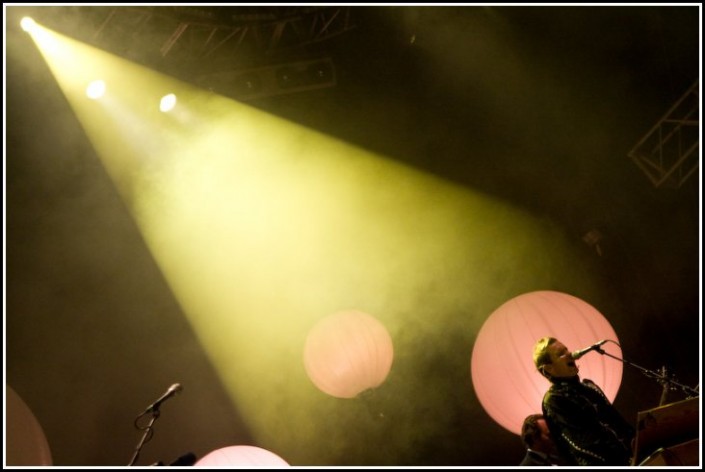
[
  {"x": 173, "y": 390},
  {"x": 595, "y": 347}
]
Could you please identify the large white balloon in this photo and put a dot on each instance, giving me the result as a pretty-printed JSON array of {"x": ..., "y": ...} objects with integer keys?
[
  {"x": 505, "y": 379},
  {"x": 347, "y": 353},
  {"x": 26, "y": 444},
  {"x": 241, "y": 456}
]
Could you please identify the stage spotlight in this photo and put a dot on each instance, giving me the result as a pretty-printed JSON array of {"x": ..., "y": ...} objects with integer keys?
[
  {"x": 95, "y": 89},
  {"x": 287, "y": 77},
  {"x": 320, "y": 72},
  {"x": 167, "y": 103},
  {"x": 28, "y": 24},
  {"x": 246, "y": 85}
]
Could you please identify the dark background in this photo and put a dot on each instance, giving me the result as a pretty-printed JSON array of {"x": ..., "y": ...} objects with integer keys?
[{"x": 537, "y": 105}]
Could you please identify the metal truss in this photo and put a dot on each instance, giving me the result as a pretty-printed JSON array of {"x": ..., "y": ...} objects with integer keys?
[
  {"x": 669, "y": 152},
  {"x": 198, "y": 34},
  {"x": 247, "y": 52},
  {"x": 271, "y": 80}
]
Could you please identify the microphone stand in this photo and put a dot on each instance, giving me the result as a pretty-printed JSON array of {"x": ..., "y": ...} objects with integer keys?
[
  {"x": 661, "y": 377},
  {"x": 147, "y": 434}
]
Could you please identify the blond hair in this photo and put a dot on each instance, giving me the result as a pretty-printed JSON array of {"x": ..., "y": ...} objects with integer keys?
[{"x": 541, "y": 354}]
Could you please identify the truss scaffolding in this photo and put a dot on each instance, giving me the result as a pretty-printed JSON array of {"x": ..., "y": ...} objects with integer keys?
[
  {"x": 670, "y": 152},
  {"x": 200, "y": 34}
]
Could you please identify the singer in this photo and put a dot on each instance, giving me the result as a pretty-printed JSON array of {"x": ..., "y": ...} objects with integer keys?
[{"x": 583, "y": 422}]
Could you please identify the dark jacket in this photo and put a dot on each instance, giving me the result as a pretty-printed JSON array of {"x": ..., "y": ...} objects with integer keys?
[
  {"x": 536, "y": 458},
  {"x": 585, "y": 425}
]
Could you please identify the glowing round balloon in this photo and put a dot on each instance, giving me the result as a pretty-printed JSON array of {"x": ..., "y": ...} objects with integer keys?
[
  {"x": 241, "y": 456},
  {"x": 26, "y": 444},
  {"x": 347, "y": 353},
  {"x": 505, "y": 379}
]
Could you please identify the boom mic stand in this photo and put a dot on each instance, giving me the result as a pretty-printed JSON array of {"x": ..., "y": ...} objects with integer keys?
[
  {"x": 662, "y": 377},
  {"x": 154, "y": 410}
]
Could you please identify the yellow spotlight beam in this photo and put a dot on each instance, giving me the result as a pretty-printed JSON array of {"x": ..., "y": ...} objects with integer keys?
[{"x": 262, "y": 227}]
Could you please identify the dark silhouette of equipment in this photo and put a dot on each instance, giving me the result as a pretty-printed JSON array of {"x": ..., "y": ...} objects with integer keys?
[
  {"x": 668, "y": 435},
  {"x": 185, "y": 460}
]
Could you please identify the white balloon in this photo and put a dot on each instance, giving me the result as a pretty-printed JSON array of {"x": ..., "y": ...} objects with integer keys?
[
  {"x": 26, "y": 444},
  {"x": 347, "y": 353},
  {"x": 242, "y": 456}
]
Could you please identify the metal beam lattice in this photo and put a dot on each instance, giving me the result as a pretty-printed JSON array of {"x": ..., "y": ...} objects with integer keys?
[
  {"x": 669, "y": 152},
  {"x": 203, "y": 37}
]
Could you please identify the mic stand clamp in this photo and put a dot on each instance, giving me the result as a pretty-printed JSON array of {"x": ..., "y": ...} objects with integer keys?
[
  {"x": 662, "y": 377},
  {"x": 147, "y": 433}
]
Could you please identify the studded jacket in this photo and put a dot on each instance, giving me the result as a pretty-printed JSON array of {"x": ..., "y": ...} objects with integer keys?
[{"x": 585, "y": 425}]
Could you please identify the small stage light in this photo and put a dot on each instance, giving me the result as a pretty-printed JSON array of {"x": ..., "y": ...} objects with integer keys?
[
  {"x": 28, "y": 24},
  {"x": 167, "y": 103},
  {"x": 95, "y": 89}
]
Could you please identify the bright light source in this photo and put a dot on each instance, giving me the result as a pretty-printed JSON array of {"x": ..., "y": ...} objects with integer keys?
[
  {"x": 95, "y": 89},
  {"x": 28, "y": 24},
  {"x": 167, "y": 103}
]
